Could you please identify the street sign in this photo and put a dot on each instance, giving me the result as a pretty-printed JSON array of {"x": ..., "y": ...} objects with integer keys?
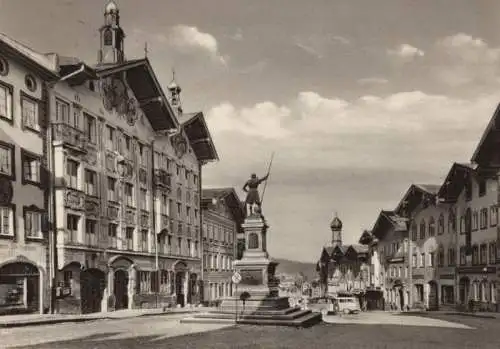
[{"x": 236, "y": 278}]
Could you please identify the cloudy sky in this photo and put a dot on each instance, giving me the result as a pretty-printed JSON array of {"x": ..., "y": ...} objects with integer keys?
[{"x": 358, "y": 99}]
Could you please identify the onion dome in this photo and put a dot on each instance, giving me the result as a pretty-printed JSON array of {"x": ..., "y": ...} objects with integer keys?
[
  {"x": 111, "y": 7},
  {"x": 336, "y": 223}
]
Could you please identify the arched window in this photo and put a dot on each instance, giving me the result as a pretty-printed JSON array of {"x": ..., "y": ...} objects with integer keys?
[
  {"x": 432, "y": 227},
  {"x": 414, "y": 231},
  {"x": 422, "y": 229},
  {"x": 108, "y": 37},
  {"x": 441, "y": 224},
  {"x": 452, "y": 222}
]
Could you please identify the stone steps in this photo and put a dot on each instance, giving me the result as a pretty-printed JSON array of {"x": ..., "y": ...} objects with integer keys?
[
  {"x": 292, "y": 317},
  {"x": 260, "y": 311}
]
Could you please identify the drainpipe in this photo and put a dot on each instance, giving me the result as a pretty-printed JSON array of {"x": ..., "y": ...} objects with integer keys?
[
  {"x": 201, "y": 248},
  {"x": 153, "y": 210}
]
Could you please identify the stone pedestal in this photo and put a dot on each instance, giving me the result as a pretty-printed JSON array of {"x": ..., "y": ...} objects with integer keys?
[{"x": 256, "y": 298}]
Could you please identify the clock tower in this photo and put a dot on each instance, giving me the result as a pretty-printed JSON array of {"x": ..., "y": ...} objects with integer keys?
[{"x": 111, "y": 37}]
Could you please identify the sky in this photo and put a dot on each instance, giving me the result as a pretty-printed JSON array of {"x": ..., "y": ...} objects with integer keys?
[{"x": 357, "y": 99}]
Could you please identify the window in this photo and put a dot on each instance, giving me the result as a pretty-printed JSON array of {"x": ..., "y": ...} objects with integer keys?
[
  {"x": 421, "y": 262},
  {"x": 90, "y": 128},
  {"x": 72, "y": 173},
  {"x": 129, "y": 237},
  {"x": 29, "y": 109},
  {"x": 6, "y": 160},
  {"x": 189, "y": 247},
  {"x": 30, "y": 82},
  {"x": 144, "y": 240},
  {"x": 143, "y": 199},
  {"x": 451, "y": 222},
  {"x": 90, "y": 183},
  {"x": 129, "y": 194},
  {"x": 179, "y": 246},
  {"x": 196, "y": 249},
  {"x": 112, "y": 193},
  {"x": 462, "y": 255},
  {"x": 112, "y": 235},
  {"x": 462, "y": 225},
  {"x": 108, "y": 37},
  {"x": 31, "y": 167},
  {"x": 62, "y": 111},
  {"x": 475, "y": 255},
  {"x": 179, "y": 210},
  {"x": 482, "y": 187},
  {"x": 441, "y": 257},
  {"x": 6, "y": 101},
  {"x": 144, "y": 282},
  {"x": 483, "y": 254},
  {"x": 493, "y": 253},
  {"x": 468, "y": 190},
  {"x": 484, "y": 218},
  {"x": 431, "y": 259},
  {"x": 493, "y": 216},
  {"x": 475, "y": 221},
  {"x": 128, "y": 144},
  {"x": 72, "y": 227},
  {"x": 164, "y": 209},
  {"x": 75, "y": 121},
  {"x": 422, "y": 229},
  {"x": 169, "y": 244},
  {"x": 164, "y": 284},
  {"x": 4, "y": 66},
  {"x": 441, "y": 224},
  {"x": 110, "y": 138},
  {"x": 143, "y": 155},
  {"x": 90, "y": 232},
  {"x": 6, "y": 221},
  {"x": 33, "y": 224},
  {"x": 432, "y": 227},
  {"x": 451, "y": 257}
]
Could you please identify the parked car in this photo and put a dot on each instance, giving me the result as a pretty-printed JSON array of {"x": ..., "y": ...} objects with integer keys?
[{"x": 341, "y": 304}]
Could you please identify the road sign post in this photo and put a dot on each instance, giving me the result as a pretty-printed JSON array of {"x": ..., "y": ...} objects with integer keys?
[{"x": 236, "y": 278}]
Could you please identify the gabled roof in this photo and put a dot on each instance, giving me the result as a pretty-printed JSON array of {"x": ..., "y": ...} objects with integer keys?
[
  {"x": 387, "y": 220},
  {"x": 487, "y": 153},
  {"x": 414, "y": 196},
  {"x": 455, "y": 181},
  {"x": 199, "y": 136},
  {"x": 230, "y": 198},
  {"x": 44, "y": 65},
  {"x": 147, "y": 90},
  {"x": 359, "y": 248}
]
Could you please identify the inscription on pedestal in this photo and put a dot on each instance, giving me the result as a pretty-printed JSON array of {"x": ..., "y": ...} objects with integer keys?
[{"x": 251, "y": 277}]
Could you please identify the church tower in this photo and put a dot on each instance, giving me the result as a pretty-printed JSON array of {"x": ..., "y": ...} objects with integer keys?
[
  {"x": 111, "y": 37},
  {"x": 336, "y": 227}
]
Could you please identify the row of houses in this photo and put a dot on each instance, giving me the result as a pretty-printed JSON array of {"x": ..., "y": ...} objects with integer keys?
[
  {"x": 438, "y": 248},
  {"x": 101, "y": 201}
]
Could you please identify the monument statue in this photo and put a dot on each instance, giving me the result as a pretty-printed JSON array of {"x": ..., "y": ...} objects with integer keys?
[{"x": 251, "y": 188}]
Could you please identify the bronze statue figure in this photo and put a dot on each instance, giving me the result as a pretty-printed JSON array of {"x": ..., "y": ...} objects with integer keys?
[{"x": 251, "y": 188}]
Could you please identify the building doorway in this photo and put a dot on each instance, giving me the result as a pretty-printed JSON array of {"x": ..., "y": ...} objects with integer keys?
[
  {"x": 19, "y": 288},
  {"x": 179, "y": 287},
  {"x": 92, "y": 285},
  {"x": 433, "y": 296},
  {"x": 121, "y": 289},
  {"x": 464, "y": 287}
]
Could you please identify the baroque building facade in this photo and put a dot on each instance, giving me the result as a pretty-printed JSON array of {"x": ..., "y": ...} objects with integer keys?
[
  {"x": 24, "y": 77},
  {"x": 222, "y": 215},
  {"x": 127, "y": 167}
]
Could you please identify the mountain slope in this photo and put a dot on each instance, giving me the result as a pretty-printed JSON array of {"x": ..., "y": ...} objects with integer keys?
[{"x": 295, "y": 267}]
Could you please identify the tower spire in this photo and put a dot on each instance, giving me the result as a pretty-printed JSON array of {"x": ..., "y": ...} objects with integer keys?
[
  {"x": 111, "y": 36},
  {"x": 175, "y": 94}
]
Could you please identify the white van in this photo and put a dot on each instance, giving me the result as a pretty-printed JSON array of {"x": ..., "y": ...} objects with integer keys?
[{"x": 342, "y": 304}]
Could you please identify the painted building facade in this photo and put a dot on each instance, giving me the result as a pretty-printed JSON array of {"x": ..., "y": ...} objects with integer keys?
[
  {"x": 24, "y": 78},
  {"x": 222, "y": 216},
  {"x": 127, "y": 166}
]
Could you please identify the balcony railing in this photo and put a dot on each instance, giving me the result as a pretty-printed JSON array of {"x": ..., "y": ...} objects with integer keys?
[{"x": 69, "y": 136}]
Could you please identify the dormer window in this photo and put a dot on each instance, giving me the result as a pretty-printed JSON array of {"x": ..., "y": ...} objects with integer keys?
[{"x": 30, "y": 83}]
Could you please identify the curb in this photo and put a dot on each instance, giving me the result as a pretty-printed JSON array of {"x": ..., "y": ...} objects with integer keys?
[
  {"x": 473, "y": 315},
  {"x": 86, "y": 319}
]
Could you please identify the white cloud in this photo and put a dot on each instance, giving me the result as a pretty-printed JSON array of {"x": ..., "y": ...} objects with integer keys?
[
  {"x": 402, "y": 130},
  {"x": 406, "y": 52},
  {"x": 186, "y": 38},
  {"x": 467, "y": 60},
  {"x": 340, "y": 39},
  {"x": 373, "y": 81}
]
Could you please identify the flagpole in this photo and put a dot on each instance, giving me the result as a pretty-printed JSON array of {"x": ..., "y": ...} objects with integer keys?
[{"x": 268, "y": 172}]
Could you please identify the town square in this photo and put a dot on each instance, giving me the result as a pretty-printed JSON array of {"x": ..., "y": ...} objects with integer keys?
[{"x": 249, "y": 174}]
